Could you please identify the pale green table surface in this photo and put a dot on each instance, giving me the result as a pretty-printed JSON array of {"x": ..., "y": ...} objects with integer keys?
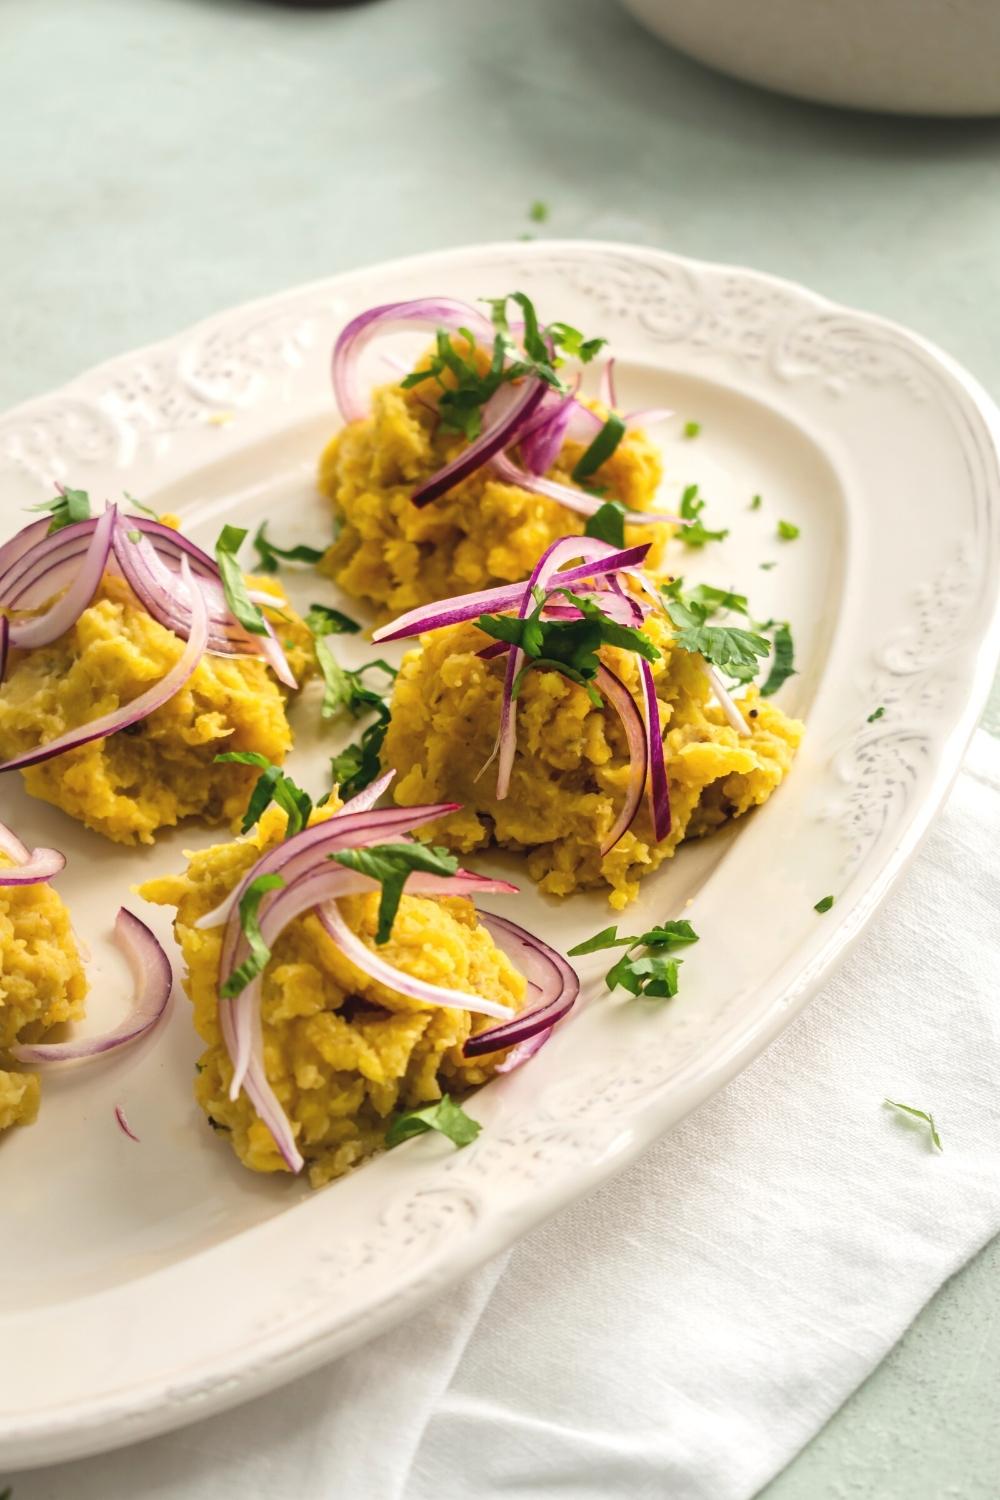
[{"x": 163, "y": 159}]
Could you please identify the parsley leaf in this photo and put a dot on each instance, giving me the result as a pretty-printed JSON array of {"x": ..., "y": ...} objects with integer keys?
[
  {"x": 392, "y": 865},
  {"x": 823, "y": 904},
  {"x": 918, "y": 1114},
  {"x": 145, "y": 510},
  {"x": 601, "y": 449},
  {"x": 787, "y": 530},
  {"x": 733, "y": 650},
  {"x": 783, "y": 665},
  {"x": 358, "y": 765},
  {"x": 767, "y": 566},
  {"x": 651, "y": 975},
  {"x": 342, "y": 687},
  {"x": 666, "y": 935},
  {"x": 695, "y": 533},
  {"x": 268, "y": 554},
  {"x": 234, "y": 586},
  {"x": 756, "y": 502},
  {"x": 691, "y": 429},
  {"x": 446, "y": 1116},
  {"x": 538, "y": 212},
  {"x": 322, "y": 619},
  {"x": 273, "y": 785},
  {"x": 256, "y": 961},
  {"x": 876, "y": 715},
  {"x": 607, "y": 523},
  {"x": 68, "y": 507}
]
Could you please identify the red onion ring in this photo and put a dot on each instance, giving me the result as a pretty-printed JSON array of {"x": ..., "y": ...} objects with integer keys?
[
  {"x": 4, "y": 644},
  {"x": 153, "y": 978},
  {"x": 556, "y": 981},
  {"x": 498, "y": 431},
  {"x": 26, "y": 635},
  {"x": 35, "y": 868},
  {"x": 392, "y": 317},
  {"x": 575, "y": 500},
  {"x": 141, "y": 707},
  {"x": 621, "y": 699},
  {"x": 124, "y": 1126}
]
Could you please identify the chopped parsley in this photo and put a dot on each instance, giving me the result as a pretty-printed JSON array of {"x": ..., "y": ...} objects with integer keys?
[
  {"x": 607, "y": 524},
  {"x": 756, "y": 502},
  {"x": 823, "y": 904},
  {"x": 652, "y": 973},
  {"x": 269, "y": 555},
  {"x": 783, "y": 665},
  {"x": 392, "y": 865},
  {"x": 68, "y": 507},
  {"x": 241, "y": 606},
  {"x": 145, "y": 510},
  {"x": 343, "y": 688},
  {"x": 134, "y": 536},
  {"x": 323, "y": 619},
  {"x": 600, "y": 449},
  {"x": 465, "y": 387},
  {"x": 538, "y": 212},
  {"x": 567, "y": 646},
  {"x": 787, "y": 530},
  {"x": 273, "y": 785},
  {"x": 691, "y": 429},
  {"x": 446, "y": 1116},
  {"x": 767, "y": 566},
  {"x": 876, "y": 715},
  {"x": 694, "y": 533},
  {"x": 918, "y": 1114},
  {"x": 358, "y": 765},
  {"x": 256, "y": 961}
]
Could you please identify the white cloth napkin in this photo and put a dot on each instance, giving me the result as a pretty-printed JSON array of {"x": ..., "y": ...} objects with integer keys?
[{"x": 686, "y": 1330}]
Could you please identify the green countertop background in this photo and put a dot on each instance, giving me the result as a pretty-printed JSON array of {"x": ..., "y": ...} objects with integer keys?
[{"x": 163, "y": 159}]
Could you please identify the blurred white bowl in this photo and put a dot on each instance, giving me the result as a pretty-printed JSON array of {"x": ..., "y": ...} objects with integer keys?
[{"x": 928, "y": 57}]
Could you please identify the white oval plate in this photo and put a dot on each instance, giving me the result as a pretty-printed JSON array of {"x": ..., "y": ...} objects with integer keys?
[{"x": 146, "y": 1285}]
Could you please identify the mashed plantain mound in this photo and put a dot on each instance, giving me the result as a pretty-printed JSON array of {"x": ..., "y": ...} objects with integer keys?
[
  {"x": 481, "y": 533},
  {"x": 571, "y": 766},
  {"x": 42, "y": 984},
  {"x": 342, "y": 1051},
  {"x": 161, "y": 770}
]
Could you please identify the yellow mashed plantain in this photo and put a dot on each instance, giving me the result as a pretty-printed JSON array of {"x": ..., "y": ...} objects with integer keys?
[
  {"x": 42, "y": 984},
  {"x": 161, "y": 770},
  {"x": 479, "y": 534},
  {"x": 571, "y": 766},
  {"x": 342, "y": 1051}
]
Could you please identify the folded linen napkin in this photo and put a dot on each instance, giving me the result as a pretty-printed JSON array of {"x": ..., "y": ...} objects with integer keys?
[{"x": 683, "y": 1332}]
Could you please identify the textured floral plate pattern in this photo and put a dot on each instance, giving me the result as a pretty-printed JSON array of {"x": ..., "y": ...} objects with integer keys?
[{"x": 145, "y": 1286}]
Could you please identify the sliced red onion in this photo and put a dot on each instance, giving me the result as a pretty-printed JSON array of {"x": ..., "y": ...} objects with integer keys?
[
  {"x": 498, "y": 431},
  {"x": 153, "y": 979},
  {"x": 575, "y": 500},
  {"x": 726, "y": 703},
  {"x": 140, "y": 708},
  {"x": 393, "y": 317},
  {"x": 621, "y": 699},
  {"x": 26, "y": 635},
  {"x": 124, "y": 1126},
  {"x": 607, "y": 393},
  {"x": 555, "y": 980},
  {"x": 368, "y": 796},
  {"x": 39, "y": 866},
  {"x": 540, "y": 440},
  {"x": 11, "y": 845},
  {"x": 601, "y": 558},
  {"x": 4, "y": 645},
  {"x": 657, "y": 786}
]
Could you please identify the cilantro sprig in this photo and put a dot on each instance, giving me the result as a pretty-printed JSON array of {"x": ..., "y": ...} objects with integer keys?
[
  {"x": 446, "y": 1117},
  {"x": 68, "y": 507},
  {"x": 736, "y": 651},
  {"x": 273, "y": 785},
  {"x": 783, "y": 665},
  {"x": 695, "y": 533},
  {"x": 653, "y": 972},
  {"x": 257, "y": 959},
  {"x": 269, "y": 555},
  {"x": 392, "y": 865},
  {"x": 566, "y": 646},
  {"x": 241, "y": 606}
]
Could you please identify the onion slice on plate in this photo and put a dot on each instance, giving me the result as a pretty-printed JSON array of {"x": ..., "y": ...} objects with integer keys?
[
  {"x": 141, "y": 707},
  {"x": 555, "y": 980},
  {"x": 428, "y": 313},
  {"x": 153, "y": 979}
]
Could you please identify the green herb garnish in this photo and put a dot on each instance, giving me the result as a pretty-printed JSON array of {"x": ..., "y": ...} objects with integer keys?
[
  {"x": 787, "y": 530},
  {"x": 68, "y": 507},
  {"x": 343, "y": 688},
  {"x": 269, "y": 555},
  {"x": 767, "y": 566},
  {"x": 134, "y": 536},
  {"x": 256, "y": 961},
  {"x": 273, "y": 785},
  {"x": 823, "y": 904},
  {"x": 392, "y": 865},
  {"x": 241, "y": 606},
  {"x": 918, "y": 1114},
  {"x": 691, "y": 429},
  {"x": 446, "y": 1116},
  {"x": 783, "y": 665},
  {"x": 567, "y": 646},
  {"x": 145, "y": 510},
  {"x": 652, "y": 973},
  {"x": 694, "y": 533},
  {"x": 358, "y": 765},
  {"x": 876, "y": 715},
  {"x": 733, "y": 650},
  {"x": 323, "y": 619},
  {"x": 538, "y": 212},
  {"x": 601, "y": 449},
  {"x": 756, "y": 502},
  {"x": 607, "y": 524}
]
